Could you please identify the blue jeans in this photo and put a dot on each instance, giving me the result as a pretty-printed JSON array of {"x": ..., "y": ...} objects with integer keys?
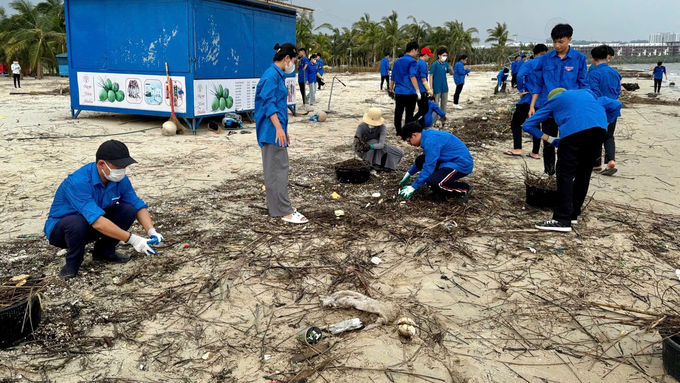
[{"x": 74, "y": 232}]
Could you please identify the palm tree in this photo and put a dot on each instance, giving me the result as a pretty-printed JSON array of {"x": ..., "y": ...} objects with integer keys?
[
  {"x": 369, "y": 37},
  {"x": 304, "y": 30},
  {"x": 392, "y": 36},
  {"x": 417, "y": 31},
  {"x": 499, "y": 37}
]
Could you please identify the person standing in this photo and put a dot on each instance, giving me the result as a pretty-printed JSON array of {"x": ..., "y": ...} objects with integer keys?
[
  {"x": 385, "y": 71},
  {"x": 404, "y": 85},
  {"x": 302, "y": 74},
  {"x": 562, "y": 67},
  {"x": 311, "y": 79},
  {"x": 459, "y": 73},
  {"x": 605, "y": 81},
  {"x": 423, "y": 84},
  {"x": 514, "y": 69},
  {"x": 659, "y": 71},
  {"x": 271, "y": 126},
  {"x": 319, "y": 70},
  {"x": 440, "y": 85},
  {"x": 369, "y": 141},
  {"x": 16, "y": 73},
  {"x": 97, "y": 203}
]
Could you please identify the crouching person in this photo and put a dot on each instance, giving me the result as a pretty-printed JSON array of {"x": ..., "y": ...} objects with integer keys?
[
  {"x": 97, "y": 204},
  {"x": 369, "y": 142},
  {"x": 445, "y": 160}
]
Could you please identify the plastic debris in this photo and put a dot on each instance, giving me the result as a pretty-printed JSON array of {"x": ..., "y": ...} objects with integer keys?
[
  {"x": 376, "y": 260},
  {"x": 533, "y": 251},
  {"x": 186, "y": 245},
  {"x": 310, "y": 336},
  {"x": 351, "y": 299},
  {"x": 207, "y": 355},
  {"x": 677, "y": 273},
  {"x": 267, "y": 357},
  {"x": 339, "y": 213},
  {"x": 346, "y": 325},
  {"x": 375, "y": 195},
  {"x": 406, "y": 327},
  {"x": 335, "y": 195}
]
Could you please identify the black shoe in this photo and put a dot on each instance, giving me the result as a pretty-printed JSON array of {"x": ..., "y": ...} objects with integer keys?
[
  {"x": 466, "y": 197},
  {"x": 553, "y": 225},
  {"x": 68, "y": 272},
  {"x": 114, "y": 258}
]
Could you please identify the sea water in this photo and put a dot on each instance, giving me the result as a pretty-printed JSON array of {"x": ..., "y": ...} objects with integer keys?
[{"x": 672, "y": 70}]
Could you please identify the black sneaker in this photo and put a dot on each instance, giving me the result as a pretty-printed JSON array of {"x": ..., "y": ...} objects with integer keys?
[
  {"x": 553, "y": 225},
  {"x": 68, "y": 272},
  {"x": 114, "y": 258},
  {"x": 466, "y": 197}
]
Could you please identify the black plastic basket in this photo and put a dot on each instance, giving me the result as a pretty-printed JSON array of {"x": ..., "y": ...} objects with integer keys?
[
  {"x": 671, "y": 354},
  {"x": 353, "y": 176},
  {"x": 17, "y": 323},
  {"x": 540, "y": 197}
]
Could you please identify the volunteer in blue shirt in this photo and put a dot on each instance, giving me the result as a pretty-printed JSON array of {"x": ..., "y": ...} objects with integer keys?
[
  {"x": 98, "y": 204},
  {"x": 562, "y": 67},
  {"x": 582, "y": 119},
  {"x": 385, "y": 71},
  {"x": 459, "y": 73},
  {"x": 404, "y": 85},
  {"x": 319, "y": 70},
  {"x": 605, "y": 81},
  {"x": 302, "y": 73},
  {"x": 428, "y": 120},
  {"x": 514, "y": 69},
  {"x": 271, "y": 126},
  {"x": 440, "y": 85},
  {"x": 659, "y": 71},
  {"x": 502, "y": 77},
  {"x": 445, "y": 160},
  {"x": 526, "y": 81},
  {"x": 311, "y": 79},
  {"x": 423, "y": 84}
]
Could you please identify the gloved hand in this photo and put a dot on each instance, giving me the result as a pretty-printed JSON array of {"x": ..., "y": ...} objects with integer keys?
[
  {"x": 142, "y": 245},
  {"x": 371, "y": 146},
  {"x": 407, "y": 178},
  {"x": 554, "y": 141},
  {"x": 154, "y": 235},
  {"x": 407, "y": 191},
  {"x": 418, "y": 95}
]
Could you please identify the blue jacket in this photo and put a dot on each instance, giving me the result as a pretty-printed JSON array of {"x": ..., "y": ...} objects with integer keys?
[
  {"x": 403, "y": 70},
  {"x": 526, "y": 81},
  {"x": 574, "y": 111},
  {"x": 385, "y": 67},
  {"x": 83, "y": 192},
  {"x": 439, "y": 70},
  {"x": 459, "y": 73},
  {"x": 434, "y": 108},
  {"x": 319, "y": 66},
  {"x": 605, "y": 81},
  {"x": 271, "y": 97},
  {"x": 302, "y": 73},
  {"x": 311, "y": 73},
  {"x": 516, "y": 66},
  {"x": 422, "y": 72},
  {"x": 502, "y": 77},
  {"x": 659, "y": 71},
  {"x": 568, "y": 73},
  {"x": 443, "y": 149}
]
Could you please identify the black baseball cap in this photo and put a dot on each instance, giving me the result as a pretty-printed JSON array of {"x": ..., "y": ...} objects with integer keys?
[{"x": 116, "y": 153}]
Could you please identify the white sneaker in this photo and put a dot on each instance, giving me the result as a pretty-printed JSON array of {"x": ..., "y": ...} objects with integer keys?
[{"x": 456, "y": 106}]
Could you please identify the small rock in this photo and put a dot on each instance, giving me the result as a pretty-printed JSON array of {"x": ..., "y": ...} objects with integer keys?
[
  {"x": 339, "y": 213},
  {"x": 375, "y": 195},
  {"x": 208, "y": 354},
  {"x": 267, "y": 357},
  {"x": 376, "y": 260},
  {"x": 335, "y": 195}
]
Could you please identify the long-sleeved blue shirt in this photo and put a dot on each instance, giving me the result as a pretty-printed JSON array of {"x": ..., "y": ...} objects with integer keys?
[
  {"x": 574, "y": 111},
  {"x": 311, "y": 73},
  {"x": 659, "y": 71},
  {"x": 605, "y": 81},
  {"x": 271, "y": 97},
  {"x": 385, "y": 67},
  {"x": 403, "y": 70},
  {"x": 439, "y": 70},
  {"x": 319, "y": 66},
  {"x": 526, "y": 81},
  {"x": 459, "y": 73},
  {"x": 502, "y": 77},
  {"x": 302, "y": 72},
  {"x": 422, "y": 72},
  {"x": 569, "y": 72},
  {"x": 441, "y": 148},
  {"x": 516, "y": 66},
  {"x": 428, "y": 117},
  {"x": 83, "y": 192}
]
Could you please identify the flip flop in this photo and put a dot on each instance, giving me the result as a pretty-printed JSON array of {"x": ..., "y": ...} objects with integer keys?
[
  {"x": 530, "y": 156},
  {"x": 598, "y": 170},
  {"x": 609, "y": 171},
  {"x": 510, "y": 153},
  {"x": 296, "y": 218}
]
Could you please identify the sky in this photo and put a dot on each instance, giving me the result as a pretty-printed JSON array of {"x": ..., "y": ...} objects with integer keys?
[{"x": 601, "y": 20}]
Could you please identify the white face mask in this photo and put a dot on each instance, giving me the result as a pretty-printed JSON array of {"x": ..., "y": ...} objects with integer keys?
[
  {"x": 290, "y": 68},
  {"x": 115, "y": 175},
  {"x": 443, "y": 58}
]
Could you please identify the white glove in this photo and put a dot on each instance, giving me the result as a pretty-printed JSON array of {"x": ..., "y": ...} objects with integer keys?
[
  {"x": 407, "y": 192},
  {"x": 554, "y": 141},
  {"x": 418, "y": 95},
  {"x": 141, "y": 244},
  {"x": 407, "y": 177},
  {"x": 154, "y": 235}
]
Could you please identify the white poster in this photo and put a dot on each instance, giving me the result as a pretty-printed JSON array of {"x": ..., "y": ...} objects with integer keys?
[
  {"x": 234, "y": 95},
  {"x": 131, "y": 91}
]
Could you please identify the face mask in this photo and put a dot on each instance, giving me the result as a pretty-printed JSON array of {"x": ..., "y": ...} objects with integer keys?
[
  {"x": 116, "y": 175},
  {"x": 290, "y": 68},
  {"x": 443, "y": 58}
]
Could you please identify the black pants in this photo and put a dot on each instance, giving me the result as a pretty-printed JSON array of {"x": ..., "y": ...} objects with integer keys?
[
  {"x": 74, "y": 232},
  {"x": 513, "y": 81},
  {"x": 404, "y": 102},
  {"x": 521, "y": 114},
  {"x": 423, "y": 106},
  {"x": 320, "y": 82},
  {"x": 657, "y": 85},
  {"x": 550, "y": 128},
  {"x": 384, "y": 79},
  {"x": 444, "y": 181},
  {"x": 302, "y": 91},
  {"x": 500, "y": 88},
  {"x": 609, "y": 146},
  {"x": 456, "y": 96},
  {"x": 17, "y": 80},
  {"x": 574, "y": 167}
]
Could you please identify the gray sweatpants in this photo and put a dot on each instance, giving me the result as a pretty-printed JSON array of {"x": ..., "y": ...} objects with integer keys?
[
  {"x": 275, "y": 168},
  {"x": 442, "y": 99}
]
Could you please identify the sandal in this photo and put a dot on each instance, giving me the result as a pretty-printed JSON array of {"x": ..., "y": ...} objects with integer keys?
[
  {"x": 609, "y": 171},
  {"x": 296, "y": 218},
  {"x": 536, "y": 158},
  {"x": 510, "y": 153}
]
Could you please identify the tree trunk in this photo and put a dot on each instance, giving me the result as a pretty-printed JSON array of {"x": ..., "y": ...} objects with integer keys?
[{"x": 39, "y": 72}]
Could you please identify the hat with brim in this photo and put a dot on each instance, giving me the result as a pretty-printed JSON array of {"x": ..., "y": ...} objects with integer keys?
[
  {"x": 116, "y": 153},
  {"x": 374, "y": 117}
]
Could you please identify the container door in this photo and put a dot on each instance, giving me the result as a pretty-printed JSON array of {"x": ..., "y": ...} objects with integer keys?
[{"x": 270, "y": 28}]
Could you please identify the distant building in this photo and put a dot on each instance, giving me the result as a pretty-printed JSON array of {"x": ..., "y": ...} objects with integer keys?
[
  {"x": 637, "y": 49},
  {"x": 664, "y": 37}
]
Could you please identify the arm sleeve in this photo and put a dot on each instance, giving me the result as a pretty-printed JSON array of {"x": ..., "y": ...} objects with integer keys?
[
  {"x": 128, "y": 195},
  {"x": 538, "y": 72},
  {"x": 458, "y": 70},
  {"x": 432, "y": 69},
  {"x": 431, "y": 157},
  {"x": 531, "y": 125},
  {"x": 611, "y": 107},
  {"x": 383, "y": 137},
  {"x": 412, "y": 69},
  {"x": 435, "y": 108},
  {"x": 81, "y": 198},
  {"x": 413, "y": 170},
  {"x": 582, "y": 73},
  {"x": 521, "y": 84},
  {"x": 268, "y": 94},
  {"x": 466, "y": 71},
  {"x": 594, "y": 83}
]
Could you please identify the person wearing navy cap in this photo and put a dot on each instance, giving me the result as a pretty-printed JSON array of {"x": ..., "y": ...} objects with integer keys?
[{"x": 97, "y": 203}]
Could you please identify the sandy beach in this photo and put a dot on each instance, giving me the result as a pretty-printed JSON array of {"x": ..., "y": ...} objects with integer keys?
[{"x": 493, "y": 300}]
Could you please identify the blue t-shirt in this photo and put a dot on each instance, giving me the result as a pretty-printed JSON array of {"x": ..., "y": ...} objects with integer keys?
[
  {"x": 385, "y": 67},
  {"x": 302, "y": 72},
  {"x": 83, "y": 192},
  {"x": 311, "y": 73},
  {"x": 439, "y": 70},
  {"x": 459, "y": 73},
  {"x": 605, "y": 81},
  {"x": 428, "y": 119},
  {"x": 526, "y": 81},
  {"x": 271, "y": 97},
  {"x": 569, "y": 72},
  {"x": 575, "y": 111},
  {"x": 659, "y": 71},
  {"x": 502, "y": 77},
  {"x": 403, "y": 70},
  {"x": 441, "y": 148},
  {"x": 516, "y": 66},
  {"x": 422, "y": 74},
  {"x": 319, "y": 66}
]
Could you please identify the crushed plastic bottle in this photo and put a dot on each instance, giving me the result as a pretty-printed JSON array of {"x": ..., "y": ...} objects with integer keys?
[{"x": 346, "y": 325}]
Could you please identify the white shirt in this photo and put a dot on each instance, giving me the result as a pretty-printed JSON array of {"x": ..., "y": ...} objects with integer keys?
[{"x": 16, "y": 68}]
